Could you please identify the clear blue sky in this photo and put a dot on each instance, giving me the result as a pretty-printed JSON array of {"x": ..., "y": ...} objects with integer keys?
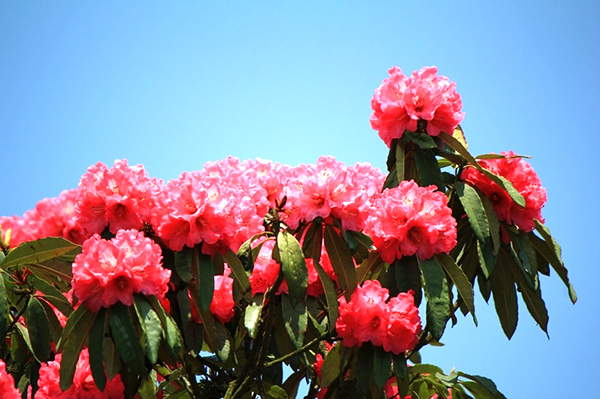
[{"x": 173, "y": 86}]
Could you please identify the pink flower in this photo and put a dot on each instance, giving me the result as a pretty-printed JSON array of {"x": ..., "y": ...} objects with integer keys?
[
  {"x": 7, "y": 384},
  {"x": 122, "y": 197},
  {"x": 408, "y": 220},
  {"x": 367, "y": 317},
  {"x": 83, "y": 386},
  {"x": 400, "y": 102},
  {"x": 112, "y": 271},
  {"x": 223, "y": 305},
  {"x": 525, "y": 181}
]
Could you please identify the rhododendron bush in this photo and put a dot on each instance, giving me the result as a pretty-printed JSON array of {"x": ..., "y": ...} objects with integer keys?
[{"x": 252, "y": 278}]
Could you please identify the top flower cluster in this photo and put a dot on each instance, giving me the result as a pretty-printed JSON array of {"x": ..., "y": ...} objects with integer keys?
[{"x": 401, "y": 101}]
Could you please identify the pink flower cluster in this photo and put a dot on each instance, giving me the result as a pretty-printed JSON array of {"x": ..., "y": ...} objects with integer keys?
[
  {"x": 395, "y": 325},
  {"x": 331, "y": 188},
  {"x": 83, "y": 386},
  {"x": 121, "y": 197},
  {"x": 408, "y": 220},
  {"x": 222, "y": 305},
  {"x": 401, "y": 101},
  {"x": 51, "y": 217},
  {"x": 7, "y": 384},
  {"x": 524, "y": 179},
  {"x": 107, "y": 272}
]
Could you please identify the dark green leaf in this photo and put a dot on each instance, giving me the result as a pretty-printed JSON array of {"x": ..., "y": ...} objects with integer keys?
[
  {"x": 492, "y": 219},
  {"x": 3, "y": 306},
  {"x": 293, "y": 264},
  {"x": 364, "y": 367},
  {"x": 408, "y": 276},
  {"x": 274, "y": 392},
  {"x": 422, "y": 140},
  {"x": 151, "y": 325},
  {"x": 310, "y": 240},
  {"x": 206, "y": 280},
  {"x": 295, "y": 318},
  {"x": 170, "y": 330},
  {"x": 504, "y": 293},
  {"x": 223, "y": 341},
  {"x": 252, "y": 315},
  {"x": 482, "y": 382},
  {"x": 462, "y": 284},
  {"x": 332, "y": 365},
  {"x": 341, "y": 261},
  {"x": 391, "y": 180},
  {"x": 475, "y": 210},
  {"x": 292, "y": 382},
  {"x": 39, "y": 329},
  {"x": 424, "y": 368},
  {"x": 330, "y": 295},
  {"x": 428, "y": 168},
  {"x": 487, "y": 259},
  {"x": 183, "y": 263},
  {"x": 74, "y": 335},
  {"x": 552, "y": 252},
  {"x": 437, "y": 295},
  {"x": 56, "y": 270},
  {"x": 126, "y": 339},
  {"x": 239, "y": 274},
  {"x": 400, "y": 162},
  {"x": 38, "y": 251},
  {"x": 56, "y": 328},
  {"x": 382, "y": 366},
  {"x": 96, "y": 347},
  {"x": 54, "y": 296}
]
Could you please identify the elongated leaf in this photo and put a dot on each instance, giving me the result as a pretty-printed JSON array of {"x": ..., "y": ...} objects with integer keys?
[
  {"x": 424, "y": 368},
  {"x": 224, "y": 347},
  {"x": 422, "y": 140},
  {"x": 310, "y": 239},
  {"x": 341, "y": 261},
  {"x": 183, "y": 263},
  {"x": 239, "y": 273},
  {"x": 206, "y": 280},
  {"x": 382, "y": 366},
  {"x": 552, "y": 253},
  {"x": 364, "y": 367},
  {"x": 293, "y": 264},
  {"x": 38, "y": 251},
  {"x": 54, "y": 270},
  {"x": 252, "y": 315},
  {"x": 437, "y": 295},
  {"x": 126, "y": 339},
  {"x": 492, "y": 219},
  {"x": 408, "y": 276},
  {"x": 170, "y": 330},
  {"x": 504, "y": 293},
  {"x": 151, "y": 326},
  {"x": 475, "y": 210},
  {"x": 96, "y": 348},
  {"x": 332, "y": 365},
  {"x": 487, "y": 259},
  {"x": 500, "y": 180},
  {"x": 295, "y": 318},
  {"x": 330, "y": 296},
  {"x": 3, "y": 306},
  {"x": 74, "y": 335},
  {"x": 39, "y": 329},
  {"x": 56, "y": 328},
  {"x": 483, "y": 382},
  {"x": 428, "y": 169},
  {"x": 460, "y": 280},
  {"x": 400, "y": 161}
]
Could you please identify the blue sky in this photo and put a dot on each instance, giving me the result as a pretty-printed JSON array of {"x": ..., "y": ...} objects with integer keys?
[{"x": 173, "y": 86}]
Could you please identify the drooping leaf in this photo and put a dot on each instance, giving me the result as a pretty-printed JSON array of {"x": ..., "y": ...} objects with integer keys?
[
  {"x": 224, "y": 347},
  {"x": 170, "y": 330},
  {"x": 56, "y": 328},
  {"x": 273, "y": 391},
  {"x": 428, "y": 168},
  {"x": 400, "y": 152},
  {"x": 74, "y": 335},
  {"x": 151, "y": 326},
  {"x": 39, "y": 329},
  {"x": 310, "y": 239},
  {"x": 552, "y": 252},
  {"x": 422, "y": 140},
  {"x": 475, "y": 210},
  {"x": 487, "y": 259},
  {"x": 252, "y": 315},
  {"x": 239, "y": 274},
  {"x": 341, "y": 261},
  {"x": 183, "y": 263},
  {"x": 332, "y": 365},
  {"x": 126, "y": 339},
  {"x": 460, "y": 280},
  {"x": 38, "y": 251},
  {"x": 487, "y": 386},
  {"x": 408, "y": 276},
  {"x": 382, "y": 366},
  {"x": 54, "y": 296},
  {"x": 291, "y": 384},
  {"x": 206, "y": 280},
  {"x": 3, "y": 306},
  {"x": 295, "y": 318},
  {"x": 330, "y": 295},
  {"x": 293, "y": 264},
  {"x": 504, "y": 293},
  {"x": 437, "y": 295},
  {"x": 96, "y": 347},
  {"x": 364, "y": 367}
]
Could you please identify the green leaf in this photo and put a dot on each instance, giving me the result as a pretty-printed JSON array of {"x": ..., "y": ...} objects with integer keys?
[
  {"x": 293, "y": 264},
  {"x": 428, "y": 168},
  {"x": 38, "y": 251},
  {"x": 475, "y": 210},
  {"x": 295, "y": 319},
  {"x": 126, "y": 339},
  {"x": 330, "y": 296},
  {"x": 312, "y": 238},
  {"x": 424, "y": 368},
  {"x": 183, "y": 263},
  {"x": 206, "y": 280},
  {"x": 484, "y": 385},
  {"x": 57, "y": 271},
  {"x": 54, "y": 296},
  {"x": 382, "y": 366},
  {"x": 272, "y": 391},
  {"x": 492, "y": 219},
  {"x": 96, "y": 347},
  {"x": 332, "y": 365},
  {"x": 223, "y": 341},
  {"x": 3, "y": 306},
  {"x": 487, "y": 259},
  {"x": 252, "y": 315},
  {"x": 364, "y": 367},
  {"x": 437, "y": 295},
  {"x": 504, "y": 293},
  {"x": 408, "y": 276},
  {"x": 56, "y": 328},
  {"x": 39, "y": 329},
  {"x": 170, "y": 330},
  {"x": 239, "y": 274},
  {"x": 74, "y": 335},
  {"x": 400, "y": 161},
  {"x": 552, "y": 253},
  {"x": 461, "y": 282},
  {"x": 151, "y": 325},
  {"x": 422, "y": 140},
  {"x": 341, "y": 261}
]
